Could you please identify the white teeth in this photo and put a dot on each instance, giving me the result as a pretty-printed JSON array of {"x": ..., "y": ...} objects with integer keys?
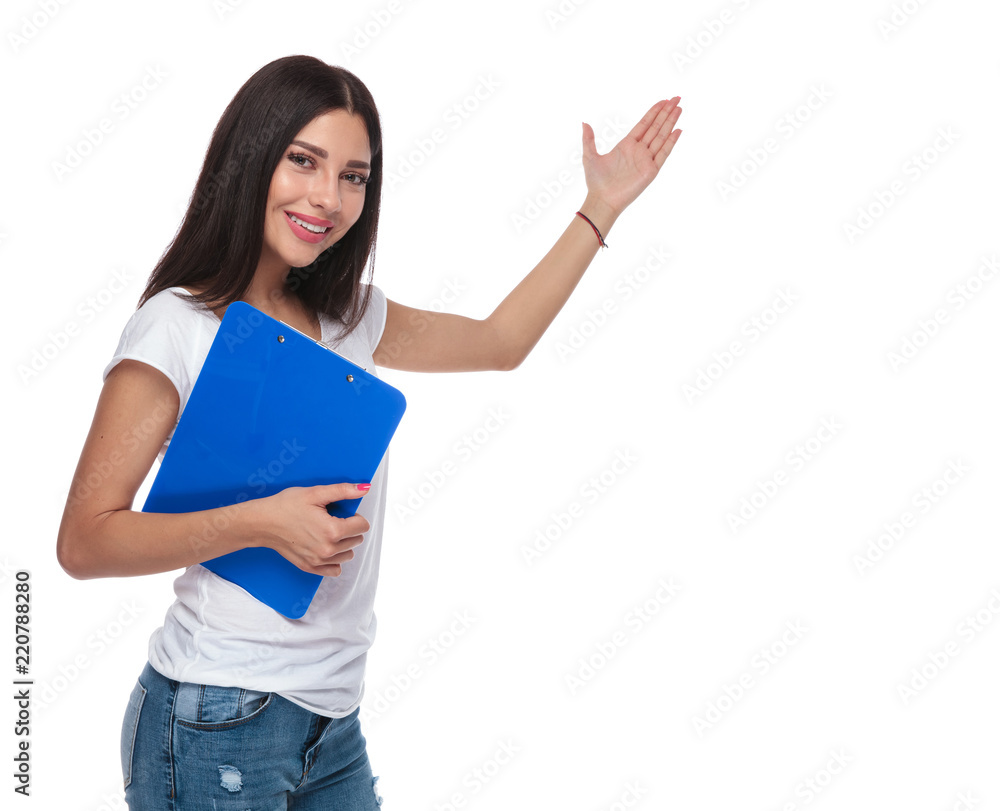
[{"x": 316, "y": 229}]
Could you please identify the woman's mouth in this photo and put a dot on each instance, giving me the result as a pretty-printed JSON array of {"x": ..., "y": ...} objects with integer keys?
[{"x": 308, "y": 229}]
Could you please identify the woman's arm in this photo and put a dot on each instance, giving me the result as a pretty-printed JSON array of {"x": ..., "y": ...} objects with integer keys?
[
  {"x": 101, "y": 536},
  {"x": 424, "y": 341}
]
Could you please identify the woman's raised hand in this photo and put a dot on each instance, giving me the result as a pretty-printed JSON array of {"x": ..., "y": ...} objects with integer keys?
[{"x": 620, "y": 176}]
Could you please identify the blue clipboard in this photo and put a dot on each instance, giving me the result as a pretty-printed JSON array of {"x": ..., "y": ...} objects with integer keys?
[{"x": 272, "y": 408}]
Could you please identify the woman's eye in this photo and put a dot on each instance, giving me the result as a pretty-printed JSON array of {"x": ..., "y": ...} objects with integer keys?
[
  {"x": 299, "y": 159},
  {"x": 357, "y": 180}
]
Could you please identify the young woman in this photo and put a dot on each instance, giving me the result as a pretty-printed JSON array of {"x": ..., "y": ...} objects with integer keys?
[{"x": 240, "y": 707}]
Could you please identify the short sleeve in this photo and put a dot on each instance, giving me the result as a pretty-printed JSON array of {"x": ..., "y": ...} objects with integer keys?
[
  {"x": 376, "y": 317},
  {"x": 168, "y": 334}
]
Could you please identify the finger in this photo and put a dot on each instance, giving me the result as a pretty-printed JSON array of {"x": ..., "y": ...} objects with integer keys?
[
  {"x": 321, "y": 567},
  {"x": 355, "y": 525},
  {"x": 664, "y": 133},
  {"x": 326, "y": 493},
  {"x": 342, "y": 557},
  {"x": 664, "y": 152},
  {"x": 318, "y": 564},
  {"x": 640, "y": 128},
  {"x": 639, "y": 131},
  {"x": 335, "y": 555},
  {"x": 663, "y": 122},
  {"x": 589, "y": 143},
  {"x": 344, "y": 544}
]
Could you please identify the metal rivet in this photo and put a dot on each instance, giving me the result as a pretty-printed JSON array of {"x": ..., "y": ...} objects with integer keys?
[
  {"x": 281, "y": 339},
  {"x": 350, "y": 378}
]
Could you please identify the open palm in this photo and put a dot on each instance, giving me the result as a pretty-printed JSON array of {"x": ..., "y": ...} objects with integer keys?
[{"x": 621, "y": 175}]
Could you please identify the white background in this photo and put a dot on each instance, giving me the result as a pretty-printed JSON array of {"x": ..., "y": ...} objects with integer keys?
[{"x": 747, "y": 207}]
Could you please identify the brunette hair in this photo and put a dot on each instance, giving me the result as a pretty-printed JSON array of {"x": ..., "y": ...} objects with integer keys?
[{"x": 222, "y": 234}]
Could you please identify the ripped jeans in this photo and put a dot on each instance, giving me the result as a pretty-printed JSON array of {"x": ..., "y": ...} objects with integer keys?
[{"x": 189, "y": 747}]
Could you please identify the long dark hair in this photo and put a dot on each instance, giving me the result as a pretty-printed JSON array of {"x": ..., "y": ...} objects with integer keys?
[{"x": 222, "y": 234}]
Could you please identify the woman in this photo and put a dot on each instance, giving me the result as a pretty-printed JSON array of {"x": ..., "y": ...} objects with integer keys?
[{"x": 239, "y": 706}]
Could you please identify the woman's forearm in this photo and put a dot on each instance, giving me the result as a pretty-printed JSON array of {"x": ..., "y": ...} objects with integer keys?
[
  {"x": 521, "y": 319},
  {"x": 123, "y": 543}
]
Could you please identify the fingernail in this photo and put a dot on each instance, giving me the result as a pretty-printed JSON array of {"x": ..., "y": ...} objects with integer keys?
[{"x": 365, "y": 487}]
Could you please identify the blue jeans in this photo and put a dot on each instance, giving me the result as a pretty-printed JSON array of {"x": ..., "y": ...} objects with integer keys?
[{"x": 189, "y": 747}]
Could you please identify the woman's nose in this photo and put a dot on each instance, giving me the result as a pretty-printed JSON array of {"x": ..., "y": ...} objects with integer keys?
[{"x": 326, "y": 195}]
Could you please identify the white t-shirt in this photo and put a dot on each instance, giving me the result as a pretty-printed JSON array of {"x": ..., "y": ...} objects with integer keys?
[{"x": 215, "y": 632}]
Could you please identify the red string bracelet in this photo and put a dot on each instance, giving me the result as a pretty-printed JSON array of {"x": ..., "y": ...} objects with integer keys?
[{"x": 599, "y": 237}]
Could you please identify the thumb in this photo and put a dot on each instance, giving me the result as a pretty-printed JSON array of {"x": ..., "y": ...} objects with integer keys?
[{"x": 589, "y": 145}]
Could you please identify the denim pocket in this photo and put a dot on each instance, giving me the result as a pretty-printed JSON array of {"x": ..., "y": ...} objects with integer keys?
[
  {"x": 129, "y": 728},
  {"x": 207, "y": 707}
]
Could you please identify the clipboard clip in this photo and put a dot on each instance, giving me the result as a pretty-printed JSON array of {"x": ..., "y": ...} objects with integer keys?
[{"x": 281, "y": 340}]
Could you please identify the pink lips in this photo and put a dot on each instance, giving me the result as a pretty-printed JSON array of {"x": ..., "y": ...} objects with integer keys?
[{"x": 305, "y": 234}]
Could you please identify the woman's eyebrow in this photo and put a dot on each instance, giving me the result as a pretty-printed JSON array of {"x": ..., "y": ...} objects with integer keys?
[
  {"x": 324, "y": 154},
  {"x": 321, "y": 152}
]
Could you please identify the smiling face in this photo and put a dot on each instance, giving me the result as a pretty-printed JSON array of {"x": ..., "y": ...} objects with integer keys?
[{"x": 317, "y": 191}]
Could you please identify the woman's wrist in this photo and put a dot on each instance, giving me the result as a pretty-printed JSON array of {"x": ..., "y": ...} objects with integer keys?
[
  {"x": 250, "y": 522},
  {"x": 600, "y": 213}
]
